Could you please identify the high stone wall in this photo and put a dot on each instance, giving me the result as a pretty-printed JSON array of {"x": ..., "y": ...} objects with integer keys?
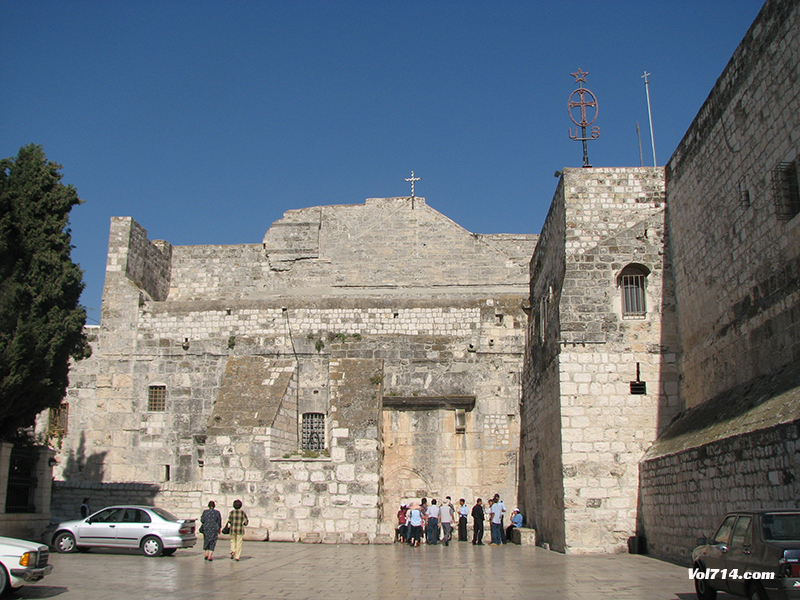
[
  {"x": 249, "y": 338},
  {"x": 737, "y": 287}
]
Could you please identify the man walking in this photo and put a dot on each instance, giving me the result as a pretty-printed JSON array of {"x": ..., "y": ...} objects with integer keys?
[
  {"x": 446, "y": 519},
  {"x": 477, "y": 523},
  {"x": 433, "y": 523},
  {"x": 463, "y": 513}
]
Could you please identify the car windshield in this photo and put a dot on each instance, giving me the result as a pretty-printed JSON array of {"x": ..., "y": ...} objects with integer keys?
[
  {"x": 781, "y": 526},
  {"x": 166, "y": 515}
]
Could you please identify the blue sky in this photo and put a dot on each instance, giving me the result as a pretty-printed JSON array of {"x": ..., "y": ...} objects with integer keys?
[{"x": 205, "y": 121}]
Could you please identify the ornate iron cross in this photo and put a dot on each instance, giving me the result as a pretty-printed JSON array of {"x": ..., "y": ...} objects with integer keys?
[{"x": 583, "y": 100}]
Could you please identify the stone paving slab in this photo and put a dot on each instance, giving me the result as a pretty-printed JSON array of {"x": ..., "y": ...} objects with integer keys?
[{"x": 348, "y": 572}]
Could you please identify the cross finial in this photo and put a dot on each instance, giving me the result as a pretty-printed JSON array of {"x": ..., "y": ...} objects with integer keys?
[{"x": 412, "y": 179}]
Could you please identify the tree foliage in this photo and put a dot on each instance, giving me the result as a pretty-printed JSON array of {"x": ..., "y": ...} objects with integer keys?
[{"x": 41, "y": 322}]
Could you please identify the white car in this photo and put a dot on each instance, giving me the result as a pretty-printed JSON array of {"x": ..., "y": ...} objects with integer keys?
[
  {"x": 153, "y": 530},
  {"x": 22, "y": 562}
]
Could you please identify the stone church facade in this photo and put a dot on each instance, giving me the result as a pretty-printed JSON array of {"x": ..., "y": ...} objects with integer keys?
[
  {"x": 627, "y": 376},
  {"x": 360, "y": 356}
]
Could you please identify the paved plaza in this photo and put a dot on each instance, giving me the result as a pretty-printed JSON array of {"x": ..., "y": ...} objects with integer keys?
[{"x": 349, "y": 572}]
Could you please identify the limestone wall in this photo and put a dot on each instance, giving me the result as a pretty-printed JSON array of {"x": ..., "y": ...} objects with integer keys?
[
  {"x": 541, "y": 483},
  {"x": 249, "y": 338},
  {"x": 736, "y": 263},
  {"x": 385, "y": 243},
  {"x": 686, "y": 494},
  {"x": 611, "y": 218}
]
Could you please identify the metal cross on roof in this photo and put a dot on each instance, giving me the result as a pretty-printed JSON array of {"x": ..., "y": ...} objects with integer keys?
[
  {"x": 412, "y": 179},
  {"x": 583, "y": 99}
]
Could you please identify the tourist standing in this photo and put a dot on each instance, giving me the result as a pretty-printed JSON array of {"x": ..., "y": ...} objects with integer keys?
[
  {"x": 446, "y": 519},
  {"x": 463, "y": 514},
  {"x": 402, "y": 523},
  {"x": 497, "y": 510},
  {"x": 502, "y": 517},
  {"x": 477, "y": 523},
  {"x": 423, "y": 510},
  {"x": 432, "y": 530},
  {"x": 210, "y": 526},
  {"x": 85, "y": 508},
  {"x": 415, "y": 525},
  {"x": 237, "y": 520}
]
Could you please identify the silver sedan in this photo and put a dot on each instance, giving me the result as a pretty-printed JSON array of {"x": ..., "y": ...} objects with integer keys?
[{"x": 153, "y": 530}]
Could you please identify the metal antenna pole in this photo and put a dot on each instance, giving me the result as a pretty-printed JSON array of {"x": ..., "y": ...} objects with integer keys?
[
  {"x": 650, "y": 115},
  {"x": 639, "y": 135}
]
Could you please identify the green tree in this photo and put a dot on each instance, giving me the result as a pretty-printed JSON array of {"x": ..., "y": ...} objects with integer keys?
[{"x": 41, "y": 322}]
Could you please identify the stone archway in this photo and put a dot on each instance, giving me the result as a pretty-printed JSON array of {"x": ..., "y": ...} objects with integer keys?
[{"x": 402, "y": 484}]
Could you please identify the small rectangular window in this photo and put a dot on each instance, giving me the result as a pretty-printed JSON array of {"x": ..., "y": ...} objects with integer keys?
[
  {"x": 785, "y": 190},
  {"x": 313, "y": 431},
  {"x": 157, "y": 398},
  {"x": 59, "y": 419}
]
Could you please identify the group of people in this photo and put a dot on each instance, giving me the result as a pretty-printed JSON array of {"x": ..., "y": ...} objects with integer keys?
[
  {"x": 211, "y": 527},
  {"x": 435, "y": 522}
]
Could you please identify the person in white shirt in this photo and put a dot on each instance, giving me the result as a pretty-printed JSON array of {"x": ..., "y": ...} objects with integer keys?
[
  {"x": 463, "y": 514},
  {"x": 446, "y": 519},
  {"x": 432, "y": 530},
  {"x": 498, "y": 508},
  {"x": 415, "y": 525}
]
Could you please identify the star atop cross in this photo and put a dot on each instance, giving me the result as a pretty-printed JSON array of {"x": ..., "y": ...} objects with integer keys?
[{"x": 580, "y": 76}]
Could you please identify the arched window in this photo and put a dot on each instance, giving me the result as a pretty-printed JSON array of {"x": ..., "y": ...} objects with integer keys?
[
  {"x": 313, "y": 431},
  {"x": 631, "y": 282}
]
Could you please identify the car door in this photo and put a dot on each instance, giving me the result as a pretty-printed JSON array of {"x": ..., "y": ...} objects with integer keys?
[
  {"x": 738, "y": 554},
  {"x": 714, "y": 557},
  {"x": 133, "y": 526},
  {"x": 100, "y": 529}
]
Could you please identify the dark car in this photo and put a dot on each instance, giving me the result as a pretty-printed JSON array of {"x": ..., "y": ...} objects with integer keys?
[
  {"x": 754, "y": 553},
  {"x": 151, "y": 529}
]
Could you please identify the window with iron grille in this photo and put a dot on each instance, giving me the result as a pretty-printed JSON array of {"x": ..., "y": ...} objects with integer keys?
[
  {"x": 631, "y": 282},
  {"x": 157, "y": 398},
  {"x": 313, "y": 431},
  {"x": 785, "y": 190},
  {"x": 59, "y": 419}
]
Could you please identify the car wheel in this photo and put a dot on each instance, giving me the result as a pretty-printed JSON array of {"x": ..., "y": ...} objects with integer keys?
[
  {"x": 168, "y": 551},
  {"x": 756, "y": 593},
  {"x": 152, "y": 546},
  {"x": 701, "y": 587},
  {"x": 4, "y": 584},
  {"x": 65, "y": 542}
]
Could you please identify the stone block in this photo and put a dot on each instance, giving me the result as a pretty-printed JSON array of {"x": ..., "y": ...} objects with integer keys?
[{"x": 523, "y": 536}]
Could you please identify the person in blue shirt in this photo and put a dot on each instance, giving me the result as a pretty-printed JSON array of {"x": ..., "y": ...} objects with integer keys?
[{"x": 516, "y": 522}]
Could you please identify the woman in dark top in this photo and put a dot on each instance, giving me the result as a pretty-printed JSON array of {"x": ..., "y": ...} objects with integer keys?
[{"x": 210, "y": 525}]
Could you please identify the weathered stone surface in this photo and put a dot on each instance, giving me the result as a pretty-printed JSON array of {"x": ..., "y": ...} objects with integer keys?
[
  {"x": 579, "y": 494},
  {"x": 339, "y": 306}
]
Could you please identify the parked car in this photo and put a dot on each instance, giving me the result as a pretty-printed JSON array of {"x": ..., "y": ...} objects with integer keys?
[
  {"x": 22, "y": 562},
  {"x": 153, "y": 530},
  {"x": 754, "y": 553}
]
